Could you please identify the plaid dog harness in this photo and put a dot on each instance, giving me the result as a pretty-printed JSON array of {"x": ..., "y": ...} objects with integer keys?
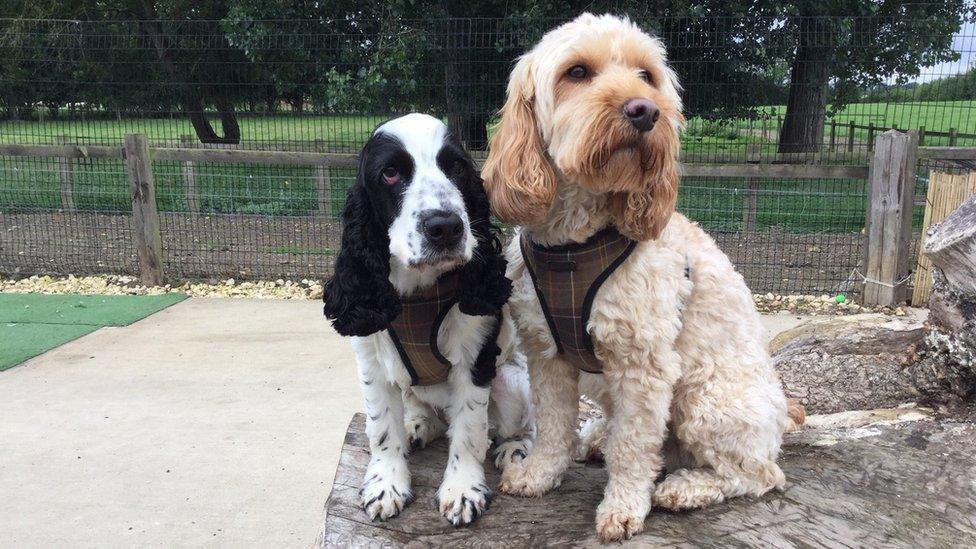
[
  {"x": 566, "y": 280},
  {"x": 414, "y": 331}
]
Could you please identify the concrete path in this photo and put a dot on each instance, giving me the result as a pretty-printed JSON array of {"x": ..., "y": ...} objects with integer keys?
[
  {"x": 212, "y": 423},
  {"x": 217, "y": 422}
]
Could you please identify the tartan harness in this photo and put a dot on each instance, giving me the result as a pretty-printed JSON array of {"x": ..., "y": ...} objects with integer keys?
[
  {"x": 414, "y": 331},
  {"x": 567, "y": 279}
]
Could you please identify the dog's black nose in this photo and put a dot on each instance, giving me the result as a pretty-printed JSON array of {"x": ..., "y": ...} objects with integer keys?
[
  {"x": 443, "y": 229},
  {"x": 642, "y": 113}
]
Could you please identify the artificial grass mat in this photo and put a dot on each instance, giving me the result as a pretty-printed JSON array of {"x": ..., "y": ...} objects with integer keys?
[{"x": 31, "y": 324}]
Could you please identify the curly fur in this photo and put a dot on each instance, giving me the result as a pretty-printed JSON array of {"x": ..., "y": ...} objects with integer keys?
[
  {"x": 675, "y": 325},
  {"x": 359, "y": 298},
  {"x": 484, "y": 289}
]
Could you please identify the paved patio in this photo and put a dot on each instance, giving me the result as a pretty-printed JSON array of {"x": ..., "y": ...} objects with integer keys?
[{"x": 214, "y": 422}]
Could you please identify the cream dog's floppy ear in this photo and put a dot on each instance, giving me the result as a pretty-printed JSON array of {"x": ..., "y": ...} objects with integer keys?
[{"x": 518, "y": 175}]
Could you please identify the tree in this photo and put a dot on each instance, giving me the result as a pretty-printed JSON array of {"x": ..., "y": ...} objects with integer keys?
[{"x": 835, "y": 58}]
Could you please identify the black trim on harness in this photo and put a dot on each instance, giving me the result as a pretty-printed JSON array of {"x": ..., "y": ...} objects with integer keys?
[
  {"x": 435, "y": 330},
  {"x": 595, "y": 287},
  {"x": 538, "y": 293},
  {"x": 403, "y": 355}
]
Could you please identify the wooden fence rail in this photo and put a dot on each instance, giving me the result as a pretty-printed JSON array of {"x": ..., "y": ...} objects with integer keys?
[{"x": 888, "y": 217}]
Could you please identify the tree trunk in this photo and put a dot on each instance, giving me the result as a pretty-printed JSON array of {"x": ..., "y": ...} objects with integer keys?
[
  {"x": 196, "y": 112},
  {"x": 193, "y": 104},
  {"x": 950, "y": 349},
  {"x": 806, "y": 107},
  {"x": 466, "y": 111}
]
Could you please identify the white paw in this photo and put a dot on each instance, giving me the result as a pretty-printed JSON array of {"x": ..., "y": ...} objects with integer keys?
[
  {"x": 463, "y": 502},
  {"x": 511, "y": 451},
  {"x": 384, "y": 498},
  {"x": 592, "y": 437},
  {"x": 422, "y": 430}
]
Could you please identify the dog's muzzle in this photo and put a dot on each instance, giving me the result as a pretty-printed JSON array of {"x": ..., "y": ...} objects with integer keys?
[{"x": 442, "y": 230}]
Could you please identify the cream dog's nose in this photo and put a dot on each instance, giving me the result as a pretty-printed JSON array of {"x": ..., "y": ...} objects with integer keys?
[{"x": 642, "y": 113}]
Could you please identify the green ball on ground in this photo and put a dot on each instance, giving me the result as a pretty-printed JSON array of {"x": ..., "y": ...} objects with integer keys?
[{"x": 841, "y": 298}]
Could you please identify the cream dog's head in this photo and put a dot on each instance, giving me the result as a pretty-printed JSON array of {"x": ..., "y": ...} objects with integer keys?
[{"x": 595, "y": 104}]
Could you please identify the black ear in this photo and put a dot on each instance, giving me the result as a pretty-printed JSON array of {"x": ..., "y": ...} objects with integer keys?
[
  {"x": 483, "y": 286},
  {"x": 359, "y": 298}
]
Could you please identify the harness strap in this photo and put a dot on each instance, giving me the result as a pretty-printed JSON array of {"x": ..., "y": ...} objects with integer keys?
[
  {"x": 414, "y": 331},
  {"x": 566, "y": 280}
]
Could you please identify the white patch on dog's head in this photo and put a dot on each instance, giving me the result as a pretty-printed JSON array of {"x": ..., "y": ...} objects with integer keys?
[{"x": 430, "y": 228}]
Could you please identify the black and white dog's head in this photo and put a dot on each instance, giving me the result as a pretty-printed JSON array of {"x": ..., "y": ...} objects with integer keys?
[{"x": 419, "y": 203}]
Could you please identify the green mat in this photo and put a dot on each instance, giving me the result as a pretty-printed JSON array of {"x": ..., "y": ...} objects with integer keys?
[{"x": 31, "y": 324}]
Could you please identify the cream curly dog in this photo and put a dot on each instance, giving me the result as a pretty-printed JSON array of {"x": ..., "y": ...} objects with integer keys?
[{"x": 589, "y": 138}]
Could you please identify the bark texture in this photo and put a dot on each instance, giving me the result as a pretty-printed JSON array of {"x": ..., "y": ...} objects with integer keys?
[
  {"x": 950, "y": 344},
  {"x": 832, "y": 364},
  {"x": 902, "y": 485},
  {"x": 806, "y": 106},
  {"x": 464, "y": 100}
]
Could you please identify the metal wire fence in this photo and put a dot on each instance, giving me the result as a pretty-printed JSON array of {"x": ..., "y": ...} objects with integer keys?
[{"x": 754, "y": 88}]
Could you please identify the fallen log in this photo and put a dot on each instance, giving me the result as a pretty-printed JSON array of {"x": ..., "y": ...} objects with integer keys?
[
  {"x": 831, "y": 364},
  {"x": 901, "y": 485},
  {"x": 949, "y": 352}
]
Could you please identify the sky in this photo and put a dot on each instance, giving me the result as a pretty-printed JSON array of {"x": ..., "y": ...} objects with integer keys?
[{"x": 963, "y": 42}]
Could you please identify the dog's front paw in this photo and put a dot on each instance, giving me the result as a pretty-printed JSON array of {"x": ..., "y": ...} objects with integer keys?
[
  {"x": 528, "y": 479},
  {"x": 384, "y": 498},
  {"x": 512, "y": 451},
  {"x": 463, "y": 502},
  {"x": 618, "y": 525},
  {"x": 684, "y": 489},
  {"x": 621, "y": 514},
  {"x": 422, "y": 430}
]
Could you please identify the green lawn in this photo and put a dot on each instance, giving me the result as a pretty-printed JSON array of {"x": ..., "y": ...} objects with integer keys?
[
  {"x": 938, "y": 116},
  {"x": 332, "y": 130},
  {"x": 794, "y": 205}
]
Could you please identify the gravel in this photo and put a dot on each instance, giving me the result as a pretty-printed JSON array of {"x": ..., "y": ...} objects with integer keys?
[
  {"x": 128, "y": 285},
  {"x": 824, "y": 305}
]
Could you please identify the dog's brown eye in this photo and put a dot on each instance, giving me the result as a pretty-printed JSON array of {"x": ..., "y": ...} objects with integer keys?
[
  {"x": 391, "y": 176},
  {"x": 578, "y": 72},
  {"x": 645, "y": 76}
]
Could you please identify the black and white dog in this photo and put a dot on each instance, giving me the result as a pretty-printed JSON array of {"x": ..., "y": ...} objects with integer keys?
[{"x": 417, "y": 214}]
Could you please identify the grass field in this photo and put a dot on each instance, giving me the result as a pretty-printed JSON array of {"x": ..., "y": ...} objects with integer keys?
[
  {"x": 351, "y": 131},
  {"x": 794, "y": 205},
  {"x": 940, "y": 116},
  {"x": 101, "y": 185}
]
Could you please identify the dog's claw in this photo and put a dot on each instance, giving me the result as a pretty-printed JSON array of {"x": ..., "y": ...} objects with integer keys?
[{"x": 462, "y": 507}]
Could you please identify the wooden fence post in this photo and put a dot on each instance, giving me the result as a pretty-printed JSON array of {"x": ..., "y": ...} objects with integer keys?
[
  {"x": 750, "y": 199},
  {"x": 850, "y": 137},
  {"x": 833, "y": 134},
  {"x": 66, "y": 179},
  {"x": 145, "y": 217},
  {"x": 870, "y": 136},
  {"x": 190, "y": 179},
  {"x": 891, "y": 199},
  {"x": 323, "y": 184},
  {"x": 921, "y": 135},
  {"x": 952, "y": 137}
]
